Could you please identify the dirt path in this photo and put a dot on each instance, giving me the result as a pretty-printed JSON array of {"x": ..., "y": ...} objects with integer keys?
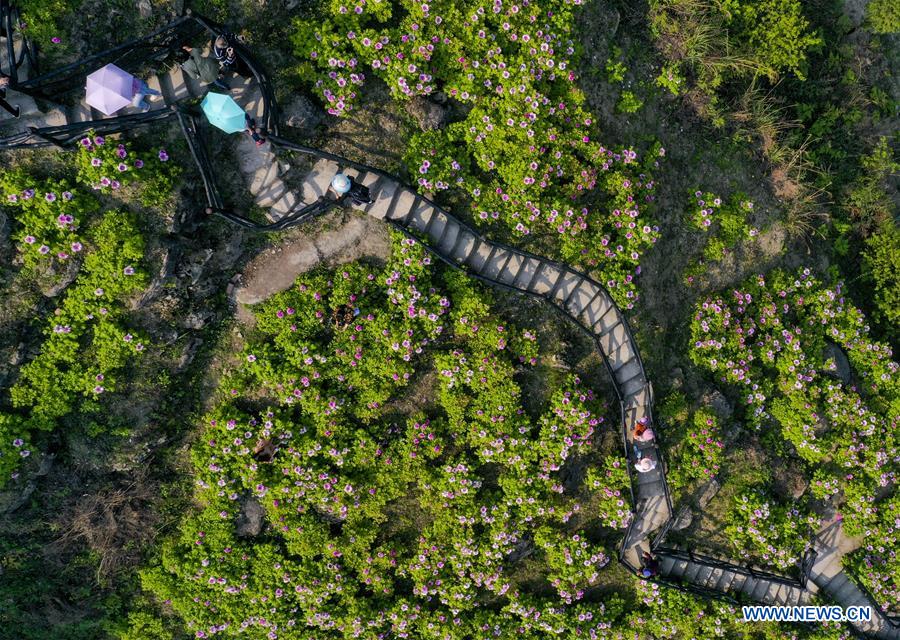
[{"x": 277, "y": 268}]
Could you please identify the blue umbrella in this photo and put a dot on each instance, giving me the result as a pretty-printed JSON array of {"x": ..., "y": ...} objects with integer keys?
[{"x": 223, "y": 112}]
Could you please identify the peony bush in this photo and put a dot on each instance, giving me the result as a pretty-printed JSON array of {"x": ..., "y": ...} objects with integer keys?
[
  {"x": 778, "y": 535},
  {"x": 798, "y": 354},
  {"x": 382, "y": 517},
  {"x": 726, "y": 221},
  {"x": 88, "y": 345},
  {"x": 525, "y": 152},
  {"x": 698, "y": 455}
]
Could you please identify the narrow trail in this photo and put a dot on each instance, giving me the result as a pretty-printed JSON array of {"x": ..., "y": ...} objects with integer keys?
[{"x": 576, "y": 295}]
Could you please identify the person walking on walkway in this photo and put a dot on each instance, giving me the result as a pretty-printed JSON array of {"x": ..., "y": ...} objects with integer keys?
[
  {"x": 202, "y": 68},
  {"x": 4, "y": 83},
  {"x": 643, "y": 433},
  {"x": 254, "y": 131},
  {"x": 346, "y": 187},
  {"x": 140, "y": 91},
  {"x": 645, "y": 464}
]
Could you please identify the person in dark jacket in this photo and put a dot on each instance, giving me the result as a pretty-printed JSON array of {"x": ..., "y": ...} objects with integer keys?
[
  {"x": 202, "y": 68},
  {"x": 224, "y": 51},
  {"x": 650, "y": 566},
  {"x": 4, "y": 83}
]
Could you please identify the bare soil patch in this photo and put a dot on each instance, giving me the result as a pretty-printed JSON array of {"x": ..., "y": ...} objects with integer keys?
[{"x": 277, "y": 268}]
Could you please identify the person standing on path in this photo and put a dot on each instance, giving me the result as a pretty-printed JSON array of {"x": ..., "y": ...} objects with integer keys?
[
  {"x": 650, "y": 565},
  {"x": 224, "y": 51},
  {"x": 4, "y": 83},
  {"x": 202, "y": 68},
  {"x": 140, "y": 89},
  {"x": 643, "y": 433},
  {"x": 253, "y": 131}
]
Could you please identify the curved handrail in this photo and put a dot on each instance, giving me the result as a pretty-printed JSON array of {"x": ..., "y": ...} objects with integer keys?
[{"x": 58, "y": 82}]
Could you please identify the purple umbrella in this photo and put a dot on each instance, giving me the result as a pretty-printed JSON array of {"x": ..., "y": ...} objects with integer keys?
[{"x": 109, "y": 89}]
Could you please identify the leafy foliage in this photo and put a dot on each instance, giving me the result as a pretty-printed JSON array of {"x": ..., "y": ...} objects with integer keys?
[
  {"x": 457, "y": 490},
  {"x": 876, "y": 564},
  {"x": 725, "y": 220},
  {"x": 106, "y": 167},
  {"x": 698, "y": 455},
  {"x": 712, "y": 44},
  {"x": 778, "y": 341},
  {"x": 525, "y": 151},
  {"x": 883, "y": 16},
  {"x": 87, "y": 341},
  {"x": 88, "y": 344},
  {"x": 777, "y": 534},
  {"x": 881, "y": 266},
  {"x": 49, "y": 214},
  {"x": 867, "y": 201}
]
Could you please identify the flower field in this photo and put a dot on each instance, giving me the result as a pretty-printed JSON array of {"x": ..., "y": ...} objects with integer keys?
[
  {"x": 777, "y": 341},
  {"x": 88, "y": 344},
  {"x": 307, "y": 425},
  {"x": 213, "y": 429},
  {"x": 526, "y": 153}
]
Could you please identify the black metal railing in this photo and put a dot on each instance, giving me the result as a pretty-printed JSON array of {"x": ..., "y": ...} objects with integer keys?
[
  {"x": 294, "y": 218},
  {"x": 190, "y": 128},
  {"x": 131, "y": 56},
  {"x": 68, "y": 134},
  {"x": 718, "y": 563},
  {"x": 890, "y": 619},
  {"x": 270, "y": 106},
  {"x": 156, "y": 46},
  {"x": 10, "y": 21}
]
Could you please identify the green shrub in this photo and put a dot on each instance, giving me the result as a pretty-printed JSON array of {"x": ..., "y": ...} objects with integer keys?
[
  {"x": 106, "y": 166},
  {"x": 87, "y": 343},
  {"x": 372, "y": 506},
  {"x": 615, "y": 68},
  {"x": 629, "y": 103},
  {"x": 671, "y": 78},
  {"x": 698, "y": 454},
  {"x": 714, "y": 44},
  {"x": 883, "y": 16},
  {"x": 867, "y": 201},
  {"x": 726, "y": 220},
  {"x": 881, "y": 267},
  {"x": 42, "y": 19},
  {"x": 48, "y": 216},
  {"x": 761, "y": 530},
  {"x": 774, "y": 33},
  {"x": 876, "y": 563}
]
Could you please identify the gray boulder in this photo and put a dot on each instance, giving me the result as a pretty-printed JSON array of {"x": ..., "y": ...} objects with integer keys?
[
  {"x": 301, "y": 113},
  {"x": 842, "y": 368},
  {"x": 251, "y": 519},
  {"x": 427, "y": 114}
]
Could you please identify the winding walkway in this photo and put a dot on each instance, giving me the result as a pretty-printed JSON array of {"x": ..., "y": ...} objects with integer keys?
[{"x": 573, "y": 293}]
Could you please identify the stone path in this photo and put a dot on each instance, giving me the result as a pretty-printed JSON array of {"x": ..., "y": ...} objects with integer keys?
[
  {"x": 831, "y": 582},
  {"x": 575, "y": 294}
]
